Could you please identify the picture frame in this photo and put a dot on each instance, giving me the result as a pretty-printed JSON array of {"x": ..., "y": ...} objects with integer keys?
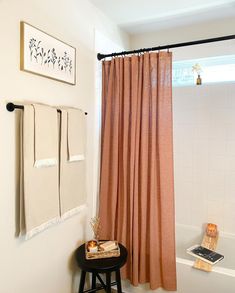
[{"x": 45, "y": 55}]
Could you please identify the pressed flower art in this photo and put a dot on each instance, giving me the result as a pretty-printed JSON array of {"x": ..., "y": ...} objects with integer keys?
[{"x": 45, "y": 55}]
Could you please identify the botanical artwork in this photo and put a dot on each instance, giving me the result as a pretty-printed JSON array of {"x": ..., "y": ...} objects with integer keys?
[{"x": 44, "y": 55}]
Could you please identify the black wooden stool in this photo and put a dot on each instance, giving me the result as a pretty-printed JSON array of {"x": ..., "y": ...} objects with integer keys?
[{"x": 100, "y": 266}]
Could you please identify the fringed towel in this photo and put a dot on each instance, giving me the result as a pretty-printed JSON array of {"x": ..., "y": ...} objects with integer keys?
[
  {"x": 39, "y": 186},
  {"x": 72, "y": 174},
  {"x": 75, "y": 134},
  {"x": 45, "y": 136}
]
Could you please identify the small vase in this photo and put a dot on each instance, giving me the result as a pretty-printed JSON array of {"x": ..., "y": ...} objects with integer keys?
[{"x": 199, "y": 80}]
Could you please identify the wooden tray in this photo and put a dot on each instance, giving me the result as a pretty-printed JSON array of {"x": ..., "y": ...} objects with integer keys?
[
  {"x": 210, "y": 243},
  {"x": 102, "y": 254}
]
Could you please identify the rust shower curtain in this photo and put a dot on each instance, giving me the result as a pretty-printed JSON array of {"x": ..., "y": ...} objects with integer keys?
[{"x": 136, "y": 204}]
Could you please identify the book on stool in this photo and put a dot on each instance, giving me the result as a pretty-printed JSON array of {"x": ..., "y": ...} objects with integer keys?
[{"x": 105, "y": 249}]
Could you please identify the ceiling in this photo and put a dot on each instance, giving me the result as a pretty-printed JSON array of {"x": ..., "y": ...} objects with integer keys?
[{"x": 138, "y": 16}]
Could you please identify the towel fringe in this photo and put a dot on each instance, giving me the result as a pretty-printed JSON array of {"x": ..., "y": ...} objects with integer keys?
[
  {"x": 72, "y": 212},
  {"x": 76, "y": 158},
  {"x": 41, "y": 228},
  {"x": 45, "y": 163},
  {"x": 56, "y": 220}
]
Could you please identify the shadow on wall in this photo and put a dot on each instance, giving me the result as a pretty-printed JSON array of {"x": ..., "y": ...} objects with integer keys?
[
  {"x": 75, "y": 270},
  {"x": 72, "y": 264}
]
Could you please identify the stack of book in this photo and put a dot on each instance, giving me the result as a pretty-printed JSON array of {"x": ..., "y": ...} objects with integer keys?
[{"x": 105, "y": 249}]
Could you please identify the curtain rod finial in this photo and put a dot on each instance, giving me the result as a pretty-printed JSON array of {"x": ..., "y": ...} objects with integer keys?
[
  {"x": 10, "y": 107},
  {"x": 100, "y": 56}
]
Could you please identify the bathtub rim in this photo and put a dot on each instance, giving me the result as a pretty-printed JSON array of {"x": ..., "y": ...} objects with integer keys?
[{"x": 220, "y": 270}]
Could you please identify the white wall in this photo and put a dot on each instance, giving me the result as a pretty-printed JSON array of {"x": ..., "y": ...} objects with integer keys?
[
  {"x": 204, "y": 155},
  {"x": 192, "y": 32},
  {"x": 44, "y": 264}
]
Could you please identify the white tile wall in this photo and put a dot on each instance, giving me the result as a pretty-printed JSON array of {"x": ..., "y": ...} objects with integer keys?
[{"x": 204, "y": 155}]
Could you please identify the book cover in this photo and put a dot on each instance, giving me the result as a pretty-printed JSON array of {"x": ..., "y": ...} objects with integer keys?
[{"x": 205, "y": 254}]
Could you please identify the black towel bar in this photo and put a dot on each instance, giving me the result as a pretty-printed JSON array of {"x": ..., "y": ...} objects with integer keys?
[{"x": 11, "y": 107}]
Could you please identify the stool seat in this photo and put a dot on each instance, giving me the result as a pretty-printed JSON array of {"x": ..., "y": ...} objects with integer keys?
[{"x": 99, "y": 266}]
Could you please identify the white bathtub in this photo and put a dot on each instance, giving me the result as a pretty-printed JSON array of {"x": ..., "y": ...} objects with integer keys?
[{"x": 190, "y": 280}]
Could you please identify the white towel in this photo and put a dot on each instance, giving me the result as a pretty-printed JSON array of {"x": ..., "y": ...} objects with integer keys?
[
  {"x": 72, "y": 175},
  {"x": 75, "y": 134},
  {"x": 39, "y": 186},
  {"x": 45, "y": 136}
]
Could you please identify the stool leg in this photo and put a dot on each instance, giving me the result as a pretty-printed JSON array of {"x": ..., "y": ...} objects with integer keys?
[
  {"x": 118, "y": 280},
  {"x": 93, "y": 281},
  {"x": 82, "y": 282},
  {"x": 108, "y": 282}
]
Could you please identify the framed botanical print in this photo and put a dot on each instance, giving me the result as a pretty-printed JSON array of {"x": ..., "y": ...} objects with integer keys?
[{"x": 47, "y": 56}]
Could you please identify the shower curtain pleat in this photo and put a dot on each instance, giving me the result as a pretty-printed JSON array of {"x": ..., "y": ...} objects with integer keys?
[{"x": 136, "y": 204}]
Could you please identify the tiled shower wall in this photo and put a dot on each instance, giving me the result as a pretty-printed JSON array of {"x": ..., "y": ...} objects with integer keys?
[{"x": 204, "y": 155}]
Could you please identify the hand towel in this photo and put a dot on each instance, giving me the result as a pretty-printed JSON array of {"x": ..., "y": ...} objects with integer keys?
[
  {"x": 72, "y": 175},
  {"x": 75, "y": 134},
  {"x": 45, "y": 136},
  {"x": 39, "y": 186}
]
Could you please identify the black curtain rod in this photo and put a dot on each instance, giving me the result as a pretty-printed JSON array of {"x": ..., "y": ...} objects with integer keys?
[
  {"x": 11, "y": 107},
  {"x": 177, "y": 45}
]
